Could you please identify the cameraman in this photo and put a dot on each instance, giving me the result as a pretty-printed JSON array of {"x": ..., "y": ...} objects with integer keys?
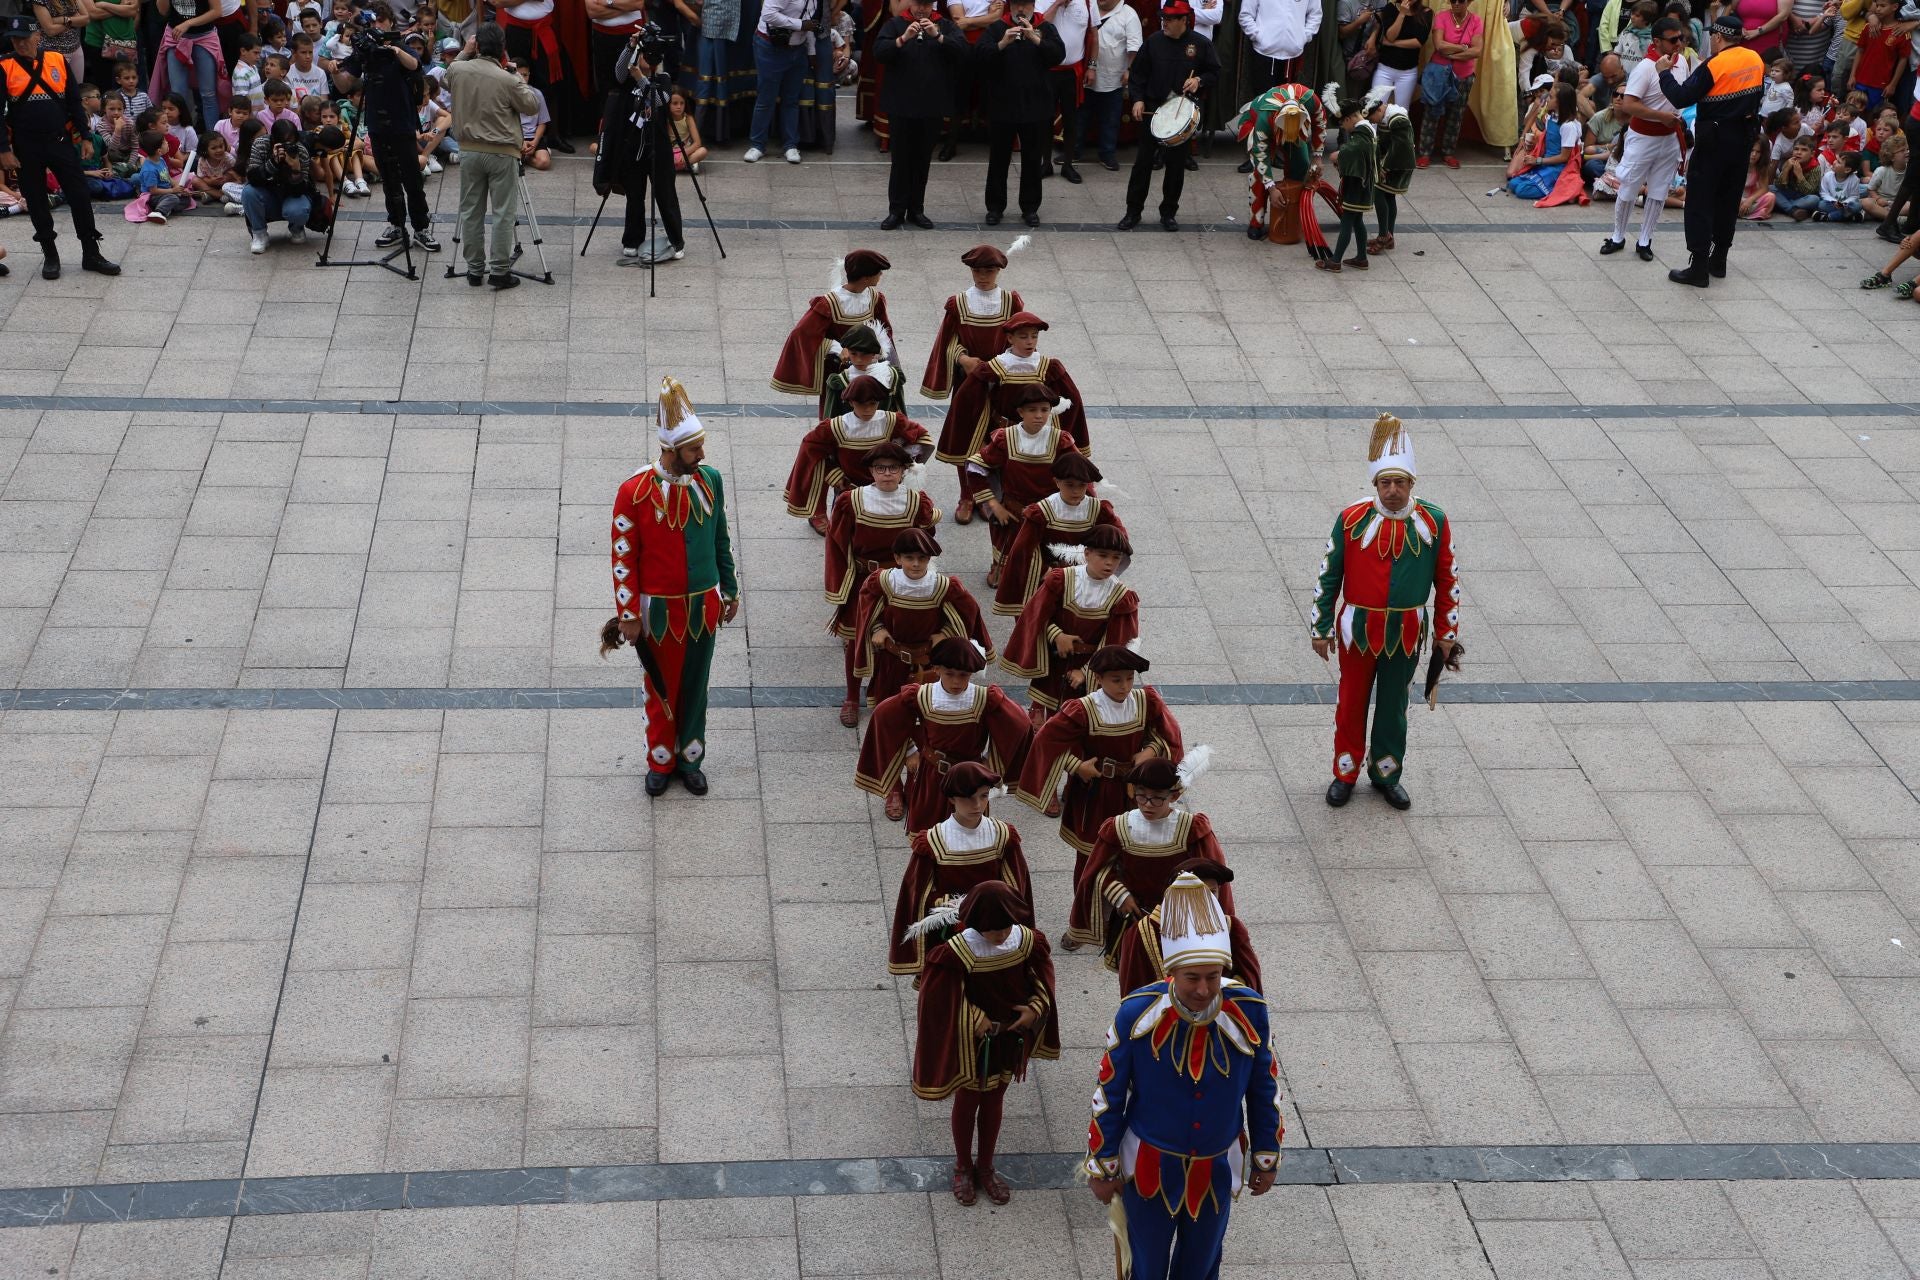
[
  {"x": 488, "y": 101},
  {"x": 390, "y": 76},
  {"x": 635, "y": 147}
]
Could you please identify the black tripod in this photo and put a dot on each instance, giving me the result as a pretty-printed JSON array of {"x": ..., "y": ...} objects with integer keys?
[
  {"x": 545, "y": 274},
  {"x": 406, "y": 241},
  {"x": 654, "y": 141}
]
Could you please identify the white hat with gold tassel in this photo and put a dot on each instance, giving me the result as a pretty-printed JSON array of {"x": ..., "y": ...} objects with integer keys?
[{"x": 1391, "y": 450}]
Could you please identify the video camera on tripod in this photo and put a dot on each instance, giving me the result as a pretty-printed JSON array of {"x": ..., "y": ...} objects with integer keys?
[{"x": 658, "y": 48}]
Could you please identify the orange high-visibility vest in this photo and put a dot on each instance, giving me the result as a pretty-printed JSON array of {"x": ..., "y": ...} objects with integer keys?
[
  {"x": 52, "y": 76},
  {"x": 1736, "y": 70}
]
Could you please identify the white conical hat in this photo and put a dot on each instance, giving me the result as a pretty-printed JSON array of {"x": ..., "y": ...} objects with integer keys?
[
  {"x": 679, "y": 424},
  {"x": 1193, "y": 928},
  {"x": 1391, "y": 452}
]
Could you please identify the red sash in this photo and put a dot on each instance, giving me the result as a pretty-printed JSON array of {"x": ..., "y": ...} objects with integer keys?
[
  {"x": 544, "y": 39},
  {"x": 1652, "y": 130}
]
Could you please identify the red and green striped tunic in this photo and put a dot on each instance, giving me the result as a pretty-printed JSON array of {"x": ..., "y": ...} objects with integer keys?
[{"x": 1384, "y": 569}]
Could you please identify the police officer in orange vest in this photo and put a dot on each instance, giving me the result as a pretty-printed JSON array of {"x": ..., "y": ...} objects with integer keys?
[
  {"x": 40, "y": 118},
  {"x": 1727, "y": 87}
]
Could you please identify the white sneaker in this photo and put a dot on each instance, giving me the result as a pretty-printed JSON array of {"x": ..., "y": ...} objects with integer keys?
[
  {"x": 297, "y": 235},
  {"x": 454, "y": 158},
  {"x": 154, "y": 215},
  {"x": 259, "y": 242},
  {"x": 629, "y": 252},
  {"x": 753, "y": 155},
  {"x": 793, "y": 155},
  {"x": 433, "y": 166},
  {"x": 233, "y": 209}
]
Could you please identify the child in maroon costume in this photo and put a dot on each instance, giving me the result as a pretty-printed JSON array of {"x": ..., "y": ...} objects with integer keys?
[
  {"x": 833, "y": 456},
  {"x": 926, "y": 730},
  {"x": 986, "y": 1010},
  {"x": 1135, "y": 857},
  {"x": 985, "y": 400},
  {"x": 947, "y": 860},
  {"x": 1014, "y": 469},
  {"x": 1077, "y": 610},
  {"x": 860, "y": 539},
  {"x": 804, "y": 359},
  {"x": 1066, "y": 517}
]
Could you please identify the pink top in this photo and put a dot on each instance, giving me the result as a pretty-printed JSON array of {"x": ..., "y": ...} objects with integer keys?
[
  {"x": 1466, "y": 32},
  {"x": 1755, "y": 14}
]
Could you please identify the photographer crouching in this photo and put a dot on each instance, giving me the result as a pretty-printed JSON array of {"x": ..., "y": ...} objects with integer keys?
[
  {"x": 488, "y": 101},
  {"x": 635, "y": 146},
  {"x": 389, "y": 75}
]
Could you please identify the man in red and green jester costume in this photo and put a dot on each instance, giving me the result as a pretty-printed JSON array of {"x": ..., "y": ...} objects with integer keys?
[
  {"x": 1385, "y": 558},
  {"x": 673, "y": 587}
]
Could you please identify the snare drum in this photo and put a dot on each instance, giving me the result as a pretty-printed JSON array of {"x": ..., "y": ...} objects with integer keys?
[{"x": 1175, "y": 121}]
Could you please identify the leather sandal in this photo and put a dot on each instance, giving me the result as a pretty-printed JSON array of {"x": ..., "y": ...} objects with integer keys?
[
  {"x": 818, "y": 524},
  {"x": 1053, "y": 808},
  {"x": 963, "y": 510},
  {"x": 993, "y": 575},
  {"x": 994, "y": 1185},
  {"x": 963, "y": 1185},
  {"x": 850, "y": 713},
  {"x": 896, "y": 805}
]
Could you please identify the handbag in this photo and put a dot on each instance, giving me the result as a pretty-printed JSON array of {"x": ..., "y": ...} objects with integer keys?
[{"x": 1364, "y": 59}]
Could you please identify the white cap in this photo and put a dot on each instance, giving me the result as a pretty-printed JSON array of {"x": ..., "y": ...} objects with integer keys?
[
  {"x": 1391, "y": 451},
  {"x": 1193, "y": 928},
  {"x": 1540, "y": 81}
]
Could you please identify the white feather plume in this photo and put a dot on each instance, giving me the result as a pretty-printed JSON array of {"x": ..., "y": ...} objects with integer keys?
[
  {"x": 1064, "y": 406},
  {"x": 837, "y": 278},
  {"x": 977, "y": 646},
  {"x": 1137, "y": 645},
  {"x": 1019, "y": 243},
  {"x": 1330, "y": 99},
  {"x": 1193, "y": 764},
  {"x": 916, "y": 477},
  {"x": 1109, "y": 490},
  {"x": 1067, "y": 552},
  {"x": 944, "y": 916},
  {"x": 997, "y": 792}
]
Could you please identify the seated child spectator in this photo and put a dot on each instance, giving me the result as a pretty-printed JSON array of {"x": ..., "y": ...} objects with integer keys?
[
  {"x": 102, "y": 182},
  {"x": 215, "y": 173},
  {"x": 1756, "y": 201},
  {"x": 435, "y": 122},
  {"x": 1840, "y": 188},
  {"x": 90, "y": 103},
  {"x": 688, "y": 150},
  {"x": 155, "y": 180},
  {"x": 1780, "y": 131},
  {"x": 150, "y": 120},
  {"x": 306, "y": 76},
  {"x": 275, "y": 66},
  {"x": 1779, "y": 90},
  {"x": 126, "y": 79},
  {"x": 1884, "y": 277},
  {"x": 1819, "y": 103},
  {"x": 175, "y": 117},
  {"x": 279, "y": 105},
  {"x": 533, "y": 128},
  {"x": 1852, "y": 113},
  {"x": 1833, "y": 143},
  {"x": 1796, "y": 183},
  {"x": 117, "y": 129},
  {"x": 247, "y": 80},
  {"x": 360, "y": 160},
  {"x": 239, "y": 111},
  {"x": 12, "y": 203},
  {"x": 273, "y": 39},
  {"x": 1877, "y": 199},
  {"x": 1638, "y": 36},
  {"x": 846, "y": 67},
  {"x": 329, "y": 159}
]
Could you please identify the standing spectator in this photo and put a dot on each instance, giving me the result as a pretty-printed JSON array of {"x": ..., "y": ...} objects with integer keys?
[
  {"x": 1073, "y": 21},
  {"x": 307, "y": 77},
  {"x": 190, "y": 23},
  {"x": 1654, "y": 138},
  {"x": 722, "y": 91},
  {"x": 1761, "y": 22},
  {"x": 1884, "y": 50},
  {"x": 922, "y": 51},
  {"x": 613, "y": 21},
  {"x": 247, "y": 82},
  {"x": 1013, "y": 65},
  {"x": 1403, "y": 32},
  {"x": 533, "y": 37},
  {"x": 1456, "y": 49},
  {"x": 1118, "y": 30},
  {"x": 1279, "y": 32},
  {"x": 488, "y": 103},
  {"x": 61, "y": 23},
  {"x": 279, "y": 184},
  {"x": 1173, "y": 60},
  {"x": 113, "y": 34},
  {"x": 388, "y": 77},
  {"x": 782, "y": 51},
  {"x": 974, "y": 18},
  {"x": 1809, "y": 29}
]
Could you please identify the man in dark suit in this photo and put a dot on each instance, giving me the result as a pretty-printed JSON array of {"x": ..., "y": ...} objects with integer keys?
[
  {"x": 1013, "y": 60},
  {"x": 921, "y": 50}
]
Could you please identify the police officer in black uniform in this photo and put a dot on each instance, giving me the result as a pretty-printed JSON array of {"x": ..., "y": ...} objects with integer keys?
[
  {"x": 39, "y": 119},
  {"x": 1173, "y": 60},
  {"x": 1728, "y": 88},
  {"x": 923, "y": 53},
  {"x": 1011, "y": 63}
]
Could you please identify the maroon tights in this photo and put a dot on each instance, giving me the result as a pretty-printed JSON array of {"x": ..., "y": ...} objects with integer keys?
[
  {"x": 971, "y": 1107},
  {"x": 853, "y": 681}
]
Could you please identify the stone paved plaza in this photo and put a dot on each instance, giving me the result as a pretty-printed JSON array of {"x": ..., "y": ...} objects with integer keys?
[{"x": 1632, "y": 991}]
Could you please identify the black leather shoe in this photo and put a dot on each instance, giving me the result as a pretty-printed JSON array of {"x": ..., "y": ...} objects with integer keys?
[
  {"x": 1046, "y": 168},
  {"x": 1246, "y": 166},
  {"x": 1717, "y": 265},
  {"x": 1889, "y": 232},
  {"x": 1127, "y": 223},
  {"x": 1256, "y": 232},
  {"x": 1644, "y": 252},
  {"x": 892, "y": 221},
  {"x": 1394, "y": 794},
  {"x": 1193, "y": 165},
  {"x": 559, "y": 143},
  {"x": 693, "y": 780},
  {"x": 475, "y": 279},
  {"x": 507, "y": 281},
  {"x": 1610, "y": 246},
  {"x": 50, "y": 269},
  {"x": 657, "y": 783},
  {"x": 91, "y": 259},
  {"x": 1338, "y": 793},
  {"x": 993, "y": 218},
  {"x": 1031, "y": 219},
  {"x": 947, "y": 152},
  {"x": 920, "y": 220},
  {"x": 1693, "y": 273},
  {"x": 1071, "y": 174},
  {"x": 1169, "y": 223},
  {"x": 1113, "y": 166}
]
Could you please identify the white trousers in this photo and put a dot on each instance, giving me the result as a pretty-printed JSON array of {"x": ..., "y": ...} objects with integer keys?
[
  {"x": 1651, "y": 160},
  {"x": 1400, "y": 84}
]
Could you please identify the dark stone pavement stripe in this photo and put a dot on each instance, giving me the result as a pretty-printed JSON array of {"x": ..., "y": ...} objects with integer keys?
[
  {"x": 736, "y": 697},
  {"x": 604, "y": 1184},
  {"x": 803, "y": 409}
]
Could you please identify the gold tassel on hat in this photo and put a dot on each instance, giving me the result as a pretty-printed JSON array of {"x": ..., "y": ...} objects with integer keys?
[
  {"x": 1190, "y": 909},
  {"x": 1386, "y": 430},
  {"x": 675, "y": 404}
]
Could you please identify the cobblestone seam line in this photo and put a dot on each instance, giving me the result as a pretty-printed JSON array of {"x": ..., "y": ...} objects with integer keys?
[{"x": 603, "y": 1184}]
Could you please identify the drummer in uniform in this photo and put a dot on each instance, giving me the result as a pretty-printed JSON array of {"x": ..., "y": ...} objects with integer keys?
[{"x": 1174, "y": 63}]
